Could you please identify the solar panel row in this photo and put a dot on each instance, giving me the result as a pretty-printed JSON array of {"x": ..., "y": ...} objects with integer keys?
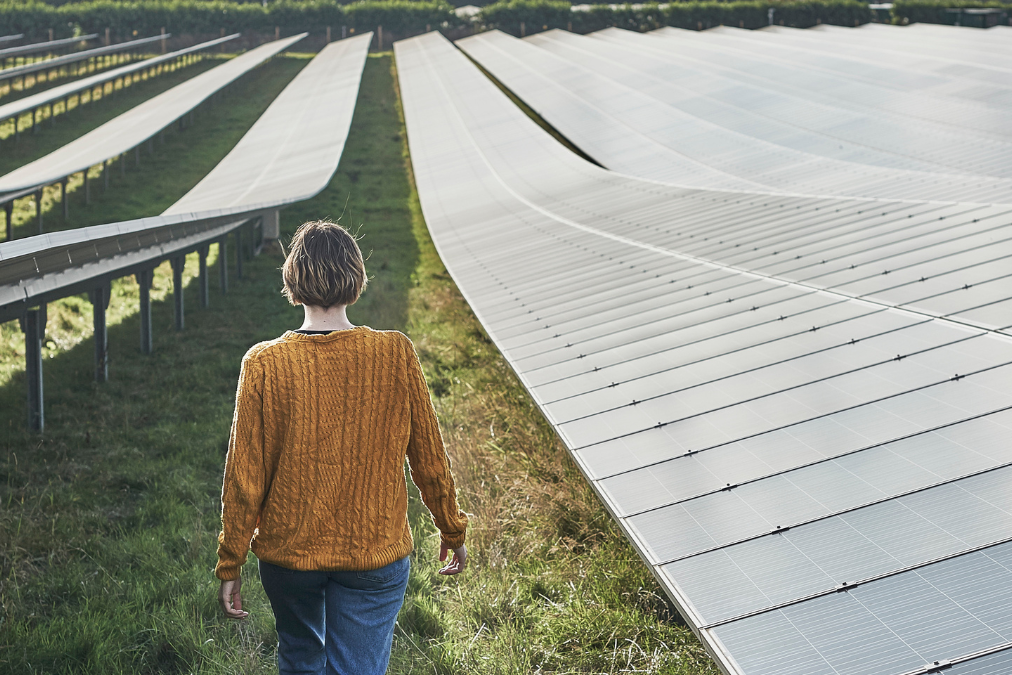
[
  {"x": 795, "y": 406},
  {"x": 137, "y": 124}
]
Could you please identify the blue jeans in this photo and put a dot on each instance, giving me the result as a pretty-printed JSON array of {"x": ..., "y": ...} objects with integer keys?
[{"x": 335, "y": 623}]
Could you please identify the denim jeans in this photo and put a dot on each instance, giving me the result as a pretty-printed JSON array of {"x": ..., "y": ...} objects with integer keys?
[{"x": 335, "y": 623}]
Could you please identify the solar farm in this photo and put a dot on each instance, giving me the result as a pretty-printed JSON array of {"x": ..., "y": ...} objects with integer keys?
[{"x": 755, "y": 284}]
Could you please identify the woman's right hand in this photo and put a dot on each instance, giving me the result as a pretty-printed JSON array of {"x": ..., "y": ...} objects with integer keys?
[{"x": 457, "y": 564}]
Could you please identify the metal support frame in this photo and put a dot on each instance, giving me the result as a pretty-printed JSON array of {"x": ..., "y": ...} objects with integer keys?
[
  {"x": 270, "y": 226},
  {"x": 238, "y": 253},
  {"x": 122, "y": 165},
  {"x": 9, "y": 210},
  {"x": 38, "y": 208},
  {"x": 63, "y": 200},
  {"x": 205, "y": 296},
  {"x": 144, "y": 279},
  {"x": 100, "y": 302},
  {"x": 34, "y": 327},
  {"x": 177, "y": 289},
  {"x": 87, "y": 187},
  {"x": 223, "y": 264}
]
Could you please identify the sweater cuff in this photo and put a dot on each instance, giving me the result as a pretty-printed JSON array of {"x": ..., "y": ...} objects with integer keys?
[
  {"x": 456, "y": 541},
  {"x": 227, "y": 572}
]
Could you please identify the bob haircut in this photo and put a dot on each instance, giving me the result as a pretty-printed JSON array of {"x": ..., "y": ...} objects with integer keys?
[{"x": 324, "y": 267}]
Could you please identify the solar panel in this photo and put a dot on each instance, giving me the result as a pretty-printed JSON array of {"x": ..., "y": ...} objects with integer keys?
[
  {"x": 15, "y": 108},
  {"x": 137, "y": 124},
  {"x": 39, "y": 268},
  {"x": 795, "y": 406},
  {"x": 661, "y": 109}
]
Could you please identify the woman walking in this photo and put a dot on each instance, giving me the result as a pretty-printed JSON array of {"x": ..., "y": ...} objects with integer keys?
[{"x": 314, "y": 478}]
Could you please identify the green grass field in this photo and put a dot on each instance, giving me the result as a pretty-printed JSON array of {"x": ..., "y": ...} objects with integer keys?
[{"x": 108, "y": 520}]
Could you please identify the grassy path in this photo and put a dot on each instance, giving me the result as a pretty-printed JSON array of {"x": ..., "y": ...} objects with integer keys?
[{"x": 108, "y": 522}]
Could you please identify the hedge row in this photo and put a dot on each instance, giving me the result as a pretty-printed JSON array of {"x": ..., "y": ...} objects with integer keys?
[
  {"x": 34, "y": 19},
  {"x": 402, "y": 17},
  {"x": 539, "y": 14},
  {"x": 907, "y": 11}
]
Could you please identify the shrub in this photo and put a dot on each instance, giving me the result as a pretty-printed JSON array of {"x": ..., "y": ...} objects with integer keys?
[{"x": 538, "y": 14}]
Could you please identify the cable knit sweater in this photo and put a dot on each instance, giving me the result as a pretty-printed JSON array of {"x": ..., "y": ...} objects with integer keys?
[{"x": 314, "y": 477}]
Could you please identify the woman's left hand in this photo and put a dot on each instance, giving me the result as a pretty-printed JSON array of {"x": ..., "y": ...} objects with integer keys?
[{"x": 231, "y": 599}]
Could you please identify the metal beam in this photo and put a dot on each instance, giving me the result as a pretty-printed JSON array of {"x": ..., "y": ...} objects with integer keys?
[
  {"x": 238, "y": 253},
  {"x": 205, "y": 298},
  {"x": 223, "y": 264},
  {"x": 144, "y": 279},
  {"x": 177, "y": 289},
  {"x": 99, "y": 303},
  {"x": 34, "y": 326}
]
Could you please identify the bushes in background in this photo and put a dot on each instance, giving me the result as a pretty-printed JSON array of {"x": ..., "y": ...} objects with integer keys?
[
  {"x": 400, "y": 17},
  {"x": 912, "y": 11},
  {"x": 538, "y": 14},
  {"x": 34, "y": 19}
]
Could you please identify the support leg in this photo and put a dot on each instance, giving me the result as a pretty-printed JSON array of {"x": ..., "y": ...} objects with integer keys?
[
  {"x": 238, "y": 253},
  {"x": 137, "y": 155},
  {"x": 105, "y": 176},
  {"x": 205, "y": 298},
  {"x": 271, "y": 225},
  {"x": 144, "y": 281},
  {"x": 38, "y": 208},
  {"x": 35, "y": 329},
  {"x": 99, "y": 303},
  {"x": 177, "y": 289},
  {"x": 223, "y": 264},
  {"x": 87, "y": 187},
  {"x": 9, "y": 211},
  {"x": 63, "y": 200}
]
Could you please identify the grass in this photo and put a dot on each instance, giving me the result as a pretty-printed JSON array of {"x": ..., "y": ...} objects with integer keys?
[{"x": 108, "y": 520}]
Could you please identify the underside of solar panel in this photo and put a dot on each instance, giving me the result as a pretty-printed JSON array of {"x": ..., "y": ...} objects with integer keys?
[{"x": 772, "y": 327}]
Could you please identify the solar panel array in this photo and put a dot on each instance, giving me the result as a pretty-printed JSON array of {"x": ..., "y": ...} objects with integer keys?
[
  {"x": 741, "y": 110},
  {"x": 293, "y": 150},
  {"x": 797, "y": 407},
  {"x": 305, "y": 126},
  {"x": 135, "y": 126}
]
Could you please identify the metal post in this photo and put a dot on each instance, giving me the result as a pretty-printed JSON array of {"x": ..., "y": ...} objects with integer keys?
[
  {"x": 223, "y": 264},
  {"x": 87, "y": 187},
  {"x": 35, "y": 328},
  {"x": 163, "y": 39},
  {"x": 9, "y": 210},
  {"x": 144, "y": 279},
  {"x": 99, "y": 303},
  {"x": 177, "y": 289},
  {"x": 137, "y": 155},
  {"x": 271, "y": 224},
  {"x": 38, "y": 207},
  {"x": 344, "y": 32},
  {"x": 35, "y": 121},
  {"x": 105, "y": 176},
  {"x": 151, "y": 145},
  {"x": 328, "y": 35},
  {"x": 205, "y": 298},
  {"x": 379, "y": 34},
  {"x": 63, "y": 200},
  {"x": 238, "y": 253}
]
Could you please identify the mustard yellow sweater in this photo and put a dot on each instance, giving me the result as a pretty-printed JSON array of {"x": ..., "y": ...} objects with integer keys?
[{"x": 314, "y": 477}]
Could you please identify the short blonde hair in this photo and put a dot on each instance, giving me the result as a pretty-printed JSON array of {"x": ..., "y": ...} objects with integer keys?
[{"x": 324, "y": 266}]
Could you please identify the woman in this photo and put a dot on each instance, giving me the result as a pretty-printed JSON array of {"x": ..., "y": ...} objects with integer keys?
[{"x": 314, "y": 478}]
